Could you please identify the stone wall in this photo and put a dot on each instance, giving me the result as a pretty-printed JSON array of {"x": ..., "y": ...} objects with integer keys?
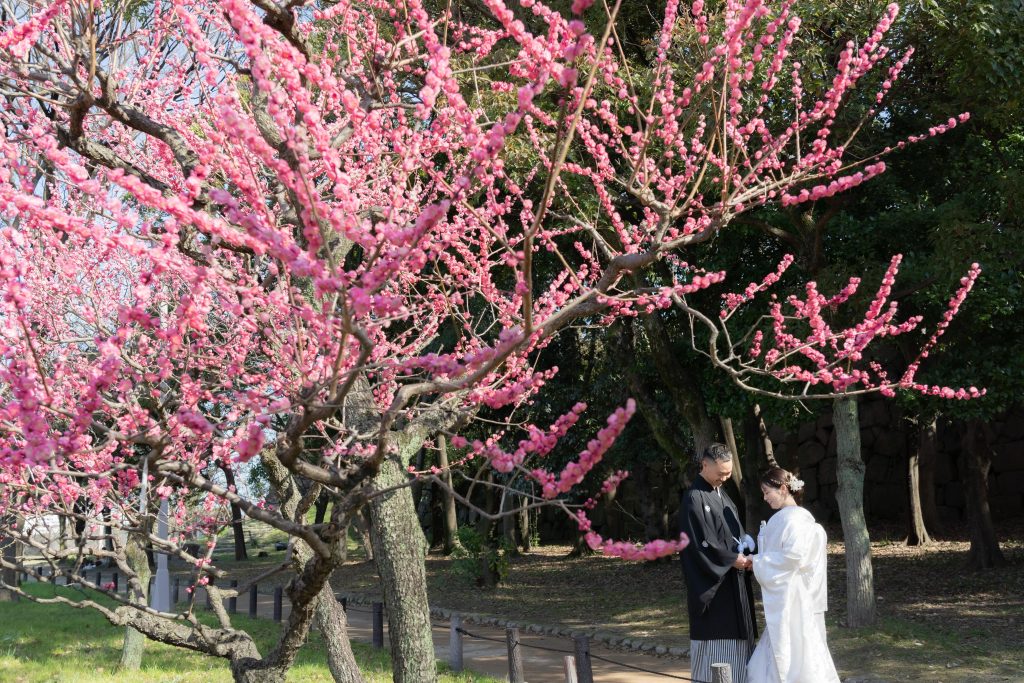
[{"x": 884, "y": 445}]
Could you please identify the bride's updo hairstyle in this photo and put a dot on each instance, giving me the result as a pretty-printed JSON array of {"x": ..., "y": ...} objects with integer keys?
[{"x": 776, "y": 478}]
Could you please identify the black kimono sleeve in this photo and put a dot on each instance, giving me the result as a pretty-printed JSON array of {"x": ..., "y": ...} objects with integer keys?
[{"x": 710, "y": 555}]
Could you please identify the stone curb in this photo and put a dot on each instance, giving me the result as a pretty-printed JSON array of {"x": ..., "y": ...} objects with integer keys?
[{"x": 610, "y": 640}]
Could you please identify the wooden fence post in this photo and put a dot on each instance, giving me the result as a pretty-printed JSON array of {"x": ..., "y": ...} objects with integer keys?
[
  {"x": 583, "y": 671},
  {"x": 174, "y": 593},
  {"x": 721, "y": 673},
  {"x": 378, "y": 625},
  {"x": 455, "y": 644},
  {"x": 278, "y": 598},
  {"x": 233, "y": 600},
  {"x": 515, "y": 656},
  {"x": 570, "y": 668},
  {"x": 253, "y": 598}
]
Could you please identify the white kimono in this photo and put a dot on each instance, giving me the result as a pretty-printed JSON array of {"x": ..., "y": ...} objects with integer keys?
[{"x": 790, "y": 566}]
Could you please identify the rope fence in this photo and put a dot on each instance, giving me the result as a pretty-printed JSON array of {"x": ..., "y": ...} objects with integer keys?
[{"x": 577, "y": 663}]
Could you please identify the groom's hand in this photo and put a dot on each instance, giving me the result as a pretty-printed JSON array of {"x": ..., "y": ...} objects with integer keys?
[{"x": 740, "y": 563}]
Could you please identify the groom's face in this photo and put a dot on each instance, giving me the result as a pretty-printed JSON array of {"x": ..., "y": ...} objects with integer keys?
[{"x": 716, "y": 473}]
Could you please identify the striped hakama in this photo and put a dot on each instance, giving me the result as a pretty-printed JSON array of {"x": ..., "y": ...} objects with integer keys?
[{"x": 704, "y": 653}]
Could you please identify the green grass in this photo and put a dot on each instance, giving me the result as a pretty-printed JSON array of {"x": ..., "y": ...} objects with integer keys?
[{"x": 61, "y": 644}]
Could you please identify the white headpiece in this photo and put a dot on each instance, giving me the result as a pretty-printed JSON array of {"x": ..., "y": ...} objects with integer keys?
[{"x": 795, "y": 484}]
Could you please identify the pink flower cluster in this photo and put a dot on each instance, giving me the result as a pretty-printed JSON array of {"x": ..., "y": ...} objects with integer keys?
[
  {"x": 840, "y": 184},
  {"x": 574, "y": 472},
  {"x": 825, "y": 356},
  {"x": 733, "y": 301}
]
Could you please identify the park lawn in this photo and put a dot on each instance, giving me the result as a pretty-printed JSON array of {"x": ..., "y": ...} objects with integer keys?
[{"x": 59, "y": 644}]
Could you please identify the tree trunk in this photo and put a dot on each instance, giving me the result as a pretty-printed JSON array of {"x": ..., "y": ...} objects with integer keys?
[
  {"x": 860, "y": 585},
  {"x": 400, "y": 555},
  {"x": 236, "y": 516},
  {"x": 343, "y": 550},
  {"x": 361, "y": 521},
  {"x": 417, "y": 485},
  {"x": 510, "y": 511},
  {"x": 134, "y": 642},
  {"x": 737, "y": 464},
  {"x": 985, "y": 552},
  {"x": 108, "y": 531},
  {"x": 11, "y": 552},
  {"x": 424, "y": 504},
  {"x": 451, "y": 524},
  {"x": 766, "y": 443},
  {"x": 485, "y": 527},
  {"x": 331, "y": 620},
  {"x": 755, "y": 460},
  {"x": 928, "y": 456},
  {"x": 322, "y": 606},
  {"x": 320, "y": 507},
  {"x": 64, "y": 543},
  {"x": 523, "y": 526},
  {"x": 917, "y": 534}
]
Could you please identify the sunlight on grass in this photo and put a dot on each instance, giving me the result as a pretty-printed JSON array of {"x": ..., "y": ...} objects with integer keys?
[{"x": 60, "y": 644}]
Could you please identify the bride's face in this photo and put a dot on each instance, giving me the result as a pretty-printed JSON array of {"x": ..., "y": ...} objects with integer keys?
[{"x": 775, "y": 498}]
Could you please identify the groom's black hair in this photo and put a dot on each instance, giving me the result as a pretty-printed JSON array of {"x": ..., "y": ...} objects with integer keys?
[{"x": 717, "y": 452}]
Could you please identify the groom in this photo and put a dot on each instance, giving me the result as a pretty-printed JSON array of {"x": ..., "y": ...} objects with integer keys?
[{"x": 719, "y": 592}]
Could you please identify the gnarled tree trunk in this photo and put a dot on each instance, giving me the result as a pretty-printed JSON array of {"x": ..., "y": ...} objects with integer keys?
[
  {"x": 135, "y": 642},
  {"x": 400, "y": 554},
  {"x": 333, "y": 624},
  {"x": 860, "y": 583}
]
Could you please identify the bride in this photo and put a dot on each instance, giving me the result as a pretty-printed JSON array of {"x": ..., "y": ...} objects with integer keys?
[{"x": 790, "y": 566}]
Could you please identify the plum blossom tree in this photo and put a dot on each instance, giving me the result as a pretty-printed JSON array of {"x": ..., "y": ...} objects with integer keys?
[{"x": 289, "y": 230}]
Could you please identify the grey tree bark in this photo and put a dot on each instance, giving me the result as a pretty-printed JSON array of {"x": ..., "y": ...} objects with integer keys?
[
  {"x": 860, "y": 582},
  {"x": 400, "y": 555},
  {"x": 135, "y": 642},
  {"x": 11, "y": 551},
  {"x": 333, "y": 624}
]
